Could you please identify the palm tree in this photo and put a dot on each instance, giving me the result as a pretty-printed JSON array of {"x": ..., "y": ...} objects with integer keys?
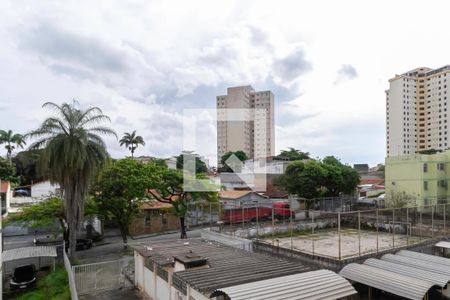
[
  {"x": 11, "y": 139},
  {"x": 131, "y": 141},
  {"x": 73, "y": 150}
]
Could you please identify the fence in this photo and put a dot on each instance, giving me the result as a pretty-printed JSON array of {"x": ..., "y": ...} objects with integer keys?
[
  {"x": 72, "y": 286},
  {"x": 328, "y": 228},
  {"x": 102, "y": 276}
]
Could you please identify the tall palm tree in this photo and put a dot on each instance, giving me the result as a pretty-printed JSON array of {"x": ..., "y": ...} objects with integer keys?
[
  {"x": 12, "y": 141},
  {"x": 73, "y": 150},
  {"x": 131, "y": 141}
]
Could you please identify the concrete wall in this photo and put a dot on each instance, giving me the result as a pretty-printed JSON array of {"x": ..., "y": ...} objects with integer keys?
[{"x": 156, "y": 287}]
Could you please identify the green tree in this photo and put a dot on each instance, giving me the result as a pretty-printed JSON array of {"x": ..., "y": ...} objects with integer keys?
[
  {"x": 73, "y": 151},
  {"x": 12, "y": 140},
  {"x": 122, "y": 187},
  {"x": 304, "y": 179},
  {"x": 47, "y": 213},
  {"x": 7, "y": 171},
  {"x": 340, "y": 179},
  {"x": 239, "y": 154},
  {"x": 171, "y": 188},
  {"x": 293, "y": 154},
  {"x": 131, "y": 141},
  {"x": 27, "y": 166},
  {"x": 397, "y": 199},
  {"x": 200, "y": 166}
]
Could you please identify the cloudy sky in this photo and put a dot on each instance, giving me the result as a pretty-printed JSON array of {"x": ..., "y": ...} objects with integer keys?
[{"x": 143, "y": 62}]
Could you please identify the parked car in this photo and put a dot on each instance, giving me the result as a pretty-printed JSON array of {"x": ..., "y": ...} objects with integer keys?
[
  {"x": 23, "y": 277},
  {"x": 82, "y": 244}
]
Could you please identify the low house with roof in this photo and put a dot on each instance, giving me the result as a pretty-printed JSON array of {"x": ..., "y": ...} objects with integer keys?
[
  {"x": 199, "y": 269},
  {"x": 238, "y": 199},
  {"x": 156, "y": 217}
]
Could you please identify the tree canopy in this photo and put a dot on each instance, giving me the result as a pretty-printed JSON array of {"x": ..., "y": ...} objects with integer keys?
[
  {"x": 241, "y": 155},
  {"x": 293, "y": 154},
  {"x": 131, "y": 141},
  {"x": 28, "y": 167},
  {"x": 7, "y": 171},
  {"x": 73, "y": 151},
  {"x": 173, "y": 189},
  {"x": 326, "y": 178},
  {"x": 122, "y": 187},
  {"x": 200, "y": 166},
  {"x": 12, "y": 141}
]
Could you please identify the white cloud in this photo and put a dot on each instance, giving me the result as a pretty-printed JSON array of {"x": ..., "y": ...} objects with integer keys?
[{"x": 142, "y": 62}]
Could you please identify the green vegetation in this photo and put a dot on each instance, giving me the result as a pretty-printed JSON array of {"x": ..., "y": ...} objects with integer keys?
[
  {"x": 200, "y": 166},
  {"x": 73, "y": 151},
  {"x": 27, "y": 165},
  {"x": 239, "y": 154},
  {"x": 293, "y": 154},
  {"x": 7, "y": 171},
  {"x": 172, "y": 188},
  {"x": 12, "y": 141},
  {"x": 131, "y": 141},
  {"x": 122, "y": 187},
  {"x": 314, "y": 178},
  {"x": 48, "y": 214},
  {"x": 54, "y": 286}
]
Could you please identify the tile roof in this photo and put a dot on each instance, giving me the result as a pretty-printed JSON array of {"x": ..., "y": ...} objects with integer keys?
[
  {"x": 153, "y": 204},
  {"x": 227, "y": 266},
  {"x": 236, "y": 194}
]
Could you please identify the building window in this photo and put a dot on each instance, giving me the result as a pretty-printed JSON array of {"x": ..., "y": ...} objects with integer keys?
[
  {"x": 425, "y": 185},
  {"x": 147, "y": 217},
  {"x": 441, "y": 166},
  {"x": 425, "y": 167},
  {"x": 163, "y": 219}
]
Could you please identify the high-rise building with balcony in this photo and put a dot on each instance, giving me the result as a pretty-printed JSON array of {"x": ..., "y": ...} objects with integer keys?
[
  {"x": 417, "y": 116},
  {"x": 251, "y": 129}
]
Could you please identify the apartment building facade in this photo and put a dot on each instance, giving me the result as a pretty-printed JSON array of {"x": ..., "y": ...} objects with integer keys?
[
  {"x": 425, "y": 177},
  {"x": 245, "y": 121},
  {"x": 417, "y": 116}
]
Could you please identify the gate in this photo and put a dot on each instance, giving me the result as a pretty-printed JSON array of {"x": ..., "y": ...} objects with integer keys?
[{"x": 91, "y": 278}]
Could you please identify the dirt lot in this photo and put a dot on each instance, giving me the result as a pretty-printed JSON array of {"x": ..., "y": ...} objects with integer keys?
[{"x": 352, "y": 244}]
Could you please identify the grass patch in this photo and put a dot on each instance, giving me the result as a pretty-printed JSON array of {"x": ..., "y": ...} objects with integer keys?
[{"x": 54, "y": 286}]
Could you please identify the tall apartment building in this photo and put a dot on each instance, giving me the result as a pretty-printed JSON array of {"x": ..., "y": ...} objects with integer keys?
[
  {"x": 253, "y": 132},
  {"x": 417, "y": 116}
]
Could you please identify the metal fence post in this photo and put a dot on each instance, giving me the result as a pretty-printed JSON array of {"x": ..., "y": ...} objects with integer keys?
[
  {"x": 445, "y": 218},
  {"x": 432, "y": 220},
  {"x": 339, "y": 233},
  {"x": 359, "y": 233},
  {"x": 393, "y": 228},
  {"x": 376, "y": 226}
]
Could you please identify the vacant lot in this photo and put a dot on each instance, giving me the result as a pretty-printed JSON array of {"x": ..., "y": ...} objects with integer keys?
[{"x": 351, "y": 243}]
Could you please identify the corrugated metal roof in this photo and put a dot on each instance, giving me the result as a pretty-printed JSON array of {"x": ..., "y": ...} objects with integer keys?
[
  {"x": 437, "y": 279},
  {"x": 315, "y": 285},
  {"x": 394, "y": 283},
  {"x": 417, "y": 263},
  {"x": 425, "y": 257},
  {"x": 228, "y": 266},
  {"x": 443, "y": 244},
  {"x": 27, "y": 252}
]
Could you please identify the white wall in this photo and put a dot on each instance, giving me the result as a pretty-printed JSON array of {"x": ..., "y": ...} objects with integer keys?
[{"x": 43, "y": 189}]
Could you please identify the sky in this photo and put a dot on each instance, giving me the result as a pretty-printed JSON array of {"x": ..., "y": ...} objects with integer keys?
[{"x": 144, "y": 62}]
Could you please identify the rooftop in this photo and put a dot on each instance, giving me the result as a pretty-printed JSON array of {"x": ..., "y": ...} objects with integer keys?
[{"x": 227, "y": 266}]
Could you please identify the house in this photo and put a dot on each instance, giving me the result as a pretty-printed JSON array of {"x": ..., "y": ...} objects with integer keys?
[
  {"x": 156, "y": 217},
  {"x": 361, "y": 168},
  {"x": 238, "y": 199},
  {"x": 5, "y": 196},
  {"x": 200, "y": 269}
]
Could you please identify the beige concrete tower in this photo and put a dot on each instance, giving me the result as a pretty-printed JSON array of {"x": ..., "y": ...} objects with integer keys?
[{"x": 256, "y": 136}]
